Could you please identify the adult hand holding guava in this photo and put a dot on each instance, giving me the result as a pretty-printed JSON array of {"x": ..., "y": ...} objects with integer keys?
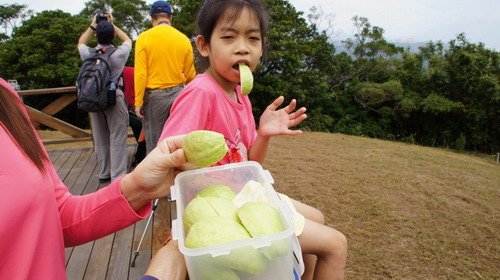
[
  {"x": 278, "y": 122},
  {"x": 153, "y": 177}
]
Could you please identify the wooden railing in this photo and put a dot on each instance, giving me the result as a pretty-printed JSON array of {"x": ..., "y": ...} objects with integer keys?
[{"x": 46, "y": 115}]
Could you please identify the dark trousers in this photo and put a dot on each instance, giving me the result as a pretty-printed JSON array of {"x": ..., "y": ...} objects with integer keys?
[{"x": 136, "y": 125}]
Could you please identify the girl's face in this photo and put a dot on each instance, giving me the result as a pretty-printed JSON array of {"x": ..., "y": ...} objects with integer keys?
[{"x": 232, "y": 43}]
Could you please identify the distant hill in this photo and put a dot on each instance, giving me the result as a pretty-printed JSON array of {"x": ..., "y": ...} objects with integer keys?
[{"x": 412, "y": 46}]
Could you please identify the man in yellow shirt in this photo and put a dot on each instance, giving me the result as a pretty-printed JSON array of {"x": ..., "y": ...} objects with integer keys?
[{"x": 164, "y": 63}]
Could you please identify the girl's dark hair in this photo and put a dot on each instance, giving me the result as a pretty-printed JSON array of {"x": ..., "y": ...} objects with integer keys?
[
  {"x": 212, "y": 11},
  {"x": 17, "y": 123}
]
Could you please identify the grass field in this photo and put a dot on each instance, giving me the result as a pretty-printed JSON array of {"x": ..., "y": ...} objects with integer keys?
[{"x": 409, "y": 212}]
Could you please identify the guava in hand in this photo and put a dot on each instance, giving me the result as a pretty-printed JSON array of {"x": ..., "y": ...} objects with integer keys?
[{"x": 204, "y": 148}]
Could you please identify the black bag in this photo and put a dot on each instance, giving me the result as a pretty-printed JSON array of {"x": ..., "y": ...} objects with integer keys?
[{"x": 96, "y": 89}]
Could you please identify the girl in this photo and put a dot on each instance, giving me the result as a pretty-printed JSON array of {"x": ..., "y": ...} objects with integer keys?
[{"x": 232, "y": 32}]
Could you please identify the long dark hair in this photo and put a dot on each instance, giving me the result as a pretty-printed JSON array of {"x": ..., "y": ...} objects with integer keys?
[{"x": 17, "y": 123}]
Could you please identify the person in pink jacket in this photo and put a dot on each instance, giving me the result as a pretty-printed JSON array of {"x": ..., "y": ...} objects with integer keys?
[{"x": 39, "y": 216}]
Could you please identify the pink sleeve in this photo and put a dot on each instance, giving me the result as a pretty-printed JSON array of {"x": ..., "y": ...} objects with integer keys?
[
  {"x": 189, "y": 112},
  {"x": 92, "y": 216}
]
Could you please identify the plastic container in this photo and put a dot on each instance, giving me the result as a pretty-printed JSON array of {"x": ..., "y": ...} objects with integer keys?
[{"x": 249, "y": 259}]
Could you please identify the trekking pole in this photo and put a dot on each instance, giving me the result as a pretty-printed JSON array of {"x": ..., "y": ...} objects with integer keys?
[{"x": 136, "y": 253}]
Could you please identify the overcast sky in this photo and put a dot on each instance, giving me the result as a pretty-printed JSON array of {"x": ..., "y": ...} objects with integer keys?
[{"x": 402, "y": 20}]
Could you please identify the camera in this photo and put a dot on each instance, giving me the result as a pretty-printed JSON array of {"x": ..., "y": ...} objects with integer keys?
[{"x": 100, "y": 16}]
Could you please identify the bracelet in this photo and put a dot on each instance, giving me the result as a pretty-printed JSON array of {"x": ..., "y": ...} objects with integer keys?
[{"x": 91, "y": 27}]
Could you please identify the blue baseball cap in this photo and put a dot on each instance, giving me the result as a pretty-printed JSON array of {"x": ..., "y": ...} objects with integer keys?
[{"x": 160, "y": 7}]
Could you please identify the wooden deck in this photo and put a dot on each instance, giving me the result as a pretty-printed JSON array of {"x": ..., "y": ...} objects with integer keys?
[{"x": 109, "y": 257}]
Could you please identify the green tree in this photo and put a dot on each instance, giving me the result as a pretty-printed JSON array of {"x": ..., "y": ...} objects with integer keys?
[
  {"x": 373, "y": 56},
  {"x": 366, "y": 83},
  {"x": 474, "y": 80},
  {"x": 132, "y": 15},
  {"x": 185, "y": 12},
  {"x": 451, "y": 96},
  {"x": 42, "y": 52},
  {"x": 9, "y": 17},
  {"x": 297, "y": 66}
]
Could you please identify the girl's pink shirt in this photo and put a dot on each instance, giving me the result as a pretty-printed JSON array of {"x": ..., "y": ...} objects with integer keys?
[
  {"x": 203, "y": 104},
  {"x": 39, "y": 216}
]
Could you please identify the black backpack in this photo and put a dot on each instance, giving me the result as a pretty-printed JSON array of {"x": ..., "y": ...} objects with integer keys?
[{"x": 96, "y": 89}]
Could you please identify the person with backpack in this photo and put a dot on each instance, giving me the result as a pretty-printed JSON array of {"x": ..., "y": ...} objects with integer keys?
[{"x": 109, "y": 121}]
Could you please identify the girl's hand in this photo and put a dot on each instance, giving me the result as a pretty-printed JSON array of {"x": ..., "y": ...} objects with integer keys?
[{"x": 278, "y": 122}]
